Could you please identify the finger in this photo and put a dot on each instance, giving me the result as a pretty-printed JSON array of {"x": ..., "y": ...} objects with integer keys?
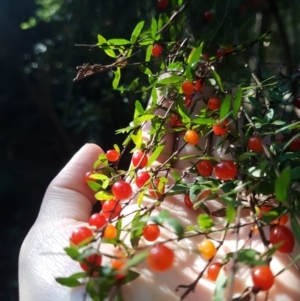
[{"x": 68, "y": 196}]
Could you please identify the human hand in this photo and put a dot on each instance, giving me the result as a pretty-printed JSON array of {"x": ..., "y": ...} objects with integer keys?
[{"x": 67, "y": 205}]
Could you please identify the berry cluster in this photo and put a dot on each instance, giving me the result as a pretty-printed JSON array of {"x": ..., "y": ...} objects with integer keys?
[{"x": 254, "y": 175}]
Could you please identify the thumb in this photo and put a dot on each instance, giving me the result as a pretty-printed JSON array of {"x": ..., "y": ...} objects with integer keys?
[{"x": 68, "y": 196}]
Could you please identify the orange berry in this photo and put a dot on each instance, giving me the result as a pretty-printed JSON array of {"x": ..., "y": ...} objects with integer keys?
[
  {"x": 207, "y": 249},
  {"x": 118, "y": 263},
  {"x": 191, "y": 137},
  {"x": 110, "y": 232}
]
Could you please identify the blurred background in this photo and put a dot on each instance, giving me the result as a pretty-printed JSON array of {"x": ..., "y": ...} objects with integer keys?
[{"x": 45, "y": 117}]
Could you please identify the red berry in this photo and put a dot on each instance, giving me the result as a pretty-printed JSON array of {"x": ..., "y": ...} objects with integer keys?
[
  {"x": 157, "y": 189},
  {"x": 285, "y": 236},
  {"x": 220, "y": 53},
  {"x": 87, "y": 176},
  {"x": 191, "y": 137},
  {"x": 139, "y": 159},
  {"x": 175, "y": 121},
  {"x": 112, "y": 155},
  {"x": 187, "y": 201},
  {"x": 220, "y": 129},
  {"x": 281, "y": 221},
  {"x": 82, "y": 234},
  {"x": 187, "y": 88},
  {"x": 98, "y": 220},
  {"x": 213, "y": 271},
  {"x": 91, "y": 260},
  {"x": 205, "y": 57},
  {"x": 111, "y": 209},
  {"x": 187, "y": 100},
  {"x": 255, "y": 144},
  {"x": 214, "y": 103},
  {"x": 157, "y": 50},
  {"x": 141, "y": 178},
  {"x": 205, "y": 168},
  {"x": 208, "y": 15},
  {"x": 226, "y": 170},
  {"x": 295, "y": 145},
  {"x": 162, "y": 4},
  {"x": 151, "y": 232},
  {"x": 160, "y": 258},
  {"x": 198, "y": 85},
  {"x": 262, "y": 277},
  {"x": 122, "y": 190}
]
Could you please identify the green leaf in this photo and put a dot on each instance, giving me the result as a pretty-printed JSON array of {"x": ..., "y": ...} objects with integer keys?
[
  {"x": 270, "y": 115},
  {"x": 99, "y": 176},
  {"x": 183, "y": 112},
  {"x": 177, "y": 227},
  {"x": 136, "y": 230},
  {"x": 69, "y": 281},
  {"x": 220, "y": 286},
  {"x": 225, "y": 107},
  {"x": 91, "y": 289},
  {"x": 94, "y": 186},
  {"x": 205, "y": 222},
  {"x": 119, "y": 42},
  {"x": 282, "y": 185},
  {"x": 155, "y": 154},
  {"x": 116, "y": 147},
  {"x": 247, "y": 155},
  {"x": 174, "y": 79},
  {"x": 72, "y": 252},
  {"x": 200, "y": 120},
  {"x": 278, "y": 122},
  {"x": 295, "y": 226},
  {"x": 237, "y": 102},
  {"x": 137, "y": 258},
  {"x": 103, "y": 196},
  {"x": 101, "y": 39},
  {"x": 193, "y": 58},
  {"x": 230, "y": 213},
  {"x": 175, "y": 175},
  {"x": 153, "y": 28},
  {"x": 140, "y": 197},
  {"x": 194, "y": 192},
  {"x": 136, "y": 32},
  {"x": 177, "y": 189},
  {"x": 138, "y": 121},
  {"x": 148, "y": 53},
  {"x": 139, "y": 108},
  {"x": 131, "y": 275},
  {"x": 117, "y": 78},
  {"x": 137, "y": 139},
  {"x": 295, "y": 173},
  {"x": 247, "y": 256},
  {"x": 154, "y": 96},
  {"x": 217, "y": 78},
  {"x": 110, "y": 52}
]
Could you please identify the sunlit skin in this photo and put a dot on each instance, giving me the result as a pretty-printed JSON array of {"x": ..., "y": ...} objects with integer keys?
[{"x": 67, "y": 205}]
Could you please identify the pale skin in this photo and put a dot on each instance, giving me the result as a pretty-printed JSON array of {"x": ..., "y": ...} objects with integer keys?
[{"x": 67, "y": 205}]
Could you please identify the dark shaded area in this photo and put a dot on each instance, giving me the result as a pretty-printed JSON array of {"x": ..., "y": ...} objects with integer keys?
[{"x": 45, "y": 117}]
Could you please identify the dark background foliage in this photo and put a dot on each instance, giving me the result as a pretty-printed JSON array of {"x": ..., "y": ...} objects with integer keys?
[{"x": 45, "y": 117}]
